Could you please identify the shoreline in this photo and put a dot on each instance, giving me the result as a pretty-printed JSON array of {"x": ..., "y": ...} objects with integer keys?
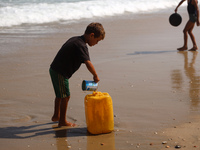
[{"x": 148, "y": 80}]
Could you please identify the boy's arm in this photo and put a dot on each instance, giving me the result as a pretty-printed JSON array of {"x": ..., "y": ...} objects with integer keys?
[
  {"x": 90, "y": 67},
  {"x": 178, "y": 6},
  {"x": 195, "y": 3}
]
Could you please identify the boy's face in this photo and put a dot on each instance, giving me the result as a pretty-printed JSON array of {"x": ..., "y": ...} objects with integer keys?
[{"x": 92, "y": 40}]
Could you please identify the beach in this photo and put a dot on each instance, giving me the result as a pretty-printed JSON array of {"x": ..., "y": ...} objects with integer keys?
[{"x": 154, "y": 88}]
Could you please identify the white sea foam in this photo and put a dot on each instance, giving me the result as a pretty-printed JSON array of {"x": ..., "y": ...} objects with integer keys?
[{"x": 61, "y": 10}]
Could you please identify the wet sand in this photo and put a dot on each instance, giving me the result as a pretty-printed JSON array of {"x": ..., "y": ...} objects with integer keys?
[{"x": 155, "y": 89}]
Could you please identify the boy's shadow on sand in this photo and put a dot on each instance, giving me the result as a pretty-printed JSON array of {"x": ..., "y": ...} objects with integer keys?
[{"x": 31, "y": 131}]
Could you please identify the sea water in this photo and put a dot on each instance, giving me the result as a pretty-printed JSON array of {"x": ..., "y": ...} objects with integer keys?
[{"x": 18, "y": 12}]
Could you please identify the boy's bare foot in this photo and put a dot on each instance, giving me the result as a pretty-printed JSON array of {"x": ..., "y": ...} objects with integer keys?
[
  {"x": 67, "y": 123},
  {"x": 194, "y": 48},
  {"x": 55, "y": 118},
  {"x": 182, "y": 48}
]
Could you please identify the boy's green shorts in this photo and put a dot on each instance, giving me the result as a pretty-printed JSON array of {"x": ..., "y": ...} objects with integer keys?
[{"x": 60, "y": 84}]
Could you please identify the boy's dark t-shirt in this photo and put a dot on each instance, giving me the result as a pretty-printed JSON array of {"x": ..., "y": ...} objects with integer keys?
[{"x": 70, "y": 57}]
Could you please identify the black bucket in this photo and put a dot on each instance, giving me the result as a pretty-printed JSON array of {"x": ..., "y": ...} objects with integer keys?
[{"x": 175, "y": 19}]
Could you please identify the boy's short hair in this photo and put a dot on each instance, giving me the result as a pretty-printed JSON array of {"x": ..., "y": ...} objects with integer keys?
[{"x": 95, "y": 28}]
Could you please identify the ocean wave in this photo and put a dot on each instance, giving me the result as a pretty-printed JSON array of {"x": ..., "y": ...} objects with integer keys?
[{"x": 39, "y": 13}]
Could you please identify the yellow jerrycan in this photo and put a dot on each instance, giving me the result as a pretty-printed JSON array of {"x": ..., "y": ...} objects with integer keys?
[{"x": 99, "y": 113}]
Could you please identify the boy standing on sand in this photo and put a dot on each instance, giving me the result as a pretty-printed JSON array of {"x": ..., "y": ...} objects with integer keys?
[
  {"x": 193, "y": 11},
  {"x": 67, "y": 61}
]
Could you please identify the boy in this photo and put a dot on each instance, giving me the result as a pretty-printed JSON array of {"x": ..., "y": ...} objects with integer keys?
[
  {"x": 67, "y": 61},
  {"x": 193, "y": 11}
]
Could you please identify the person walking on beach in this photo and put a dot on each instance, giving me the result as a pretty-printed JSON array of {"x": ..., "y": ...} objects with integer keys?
[
  {"x": 193, "y": 11},
  {"x": 67, "y": 61}
]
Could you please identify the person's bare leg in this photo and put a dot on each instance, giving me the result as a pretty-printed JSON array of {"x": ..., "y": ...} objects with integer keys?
[
  {"x": 185, "y": 32},
  {"x": 56, "y": 115},
  {"x": 194, "y": 48},
  {"x": 63, "y": 112}
]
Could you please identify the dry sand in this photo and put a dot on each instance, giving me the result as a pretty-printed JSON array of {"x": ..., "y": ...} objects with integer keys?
[{"x": 155, "y": 89}]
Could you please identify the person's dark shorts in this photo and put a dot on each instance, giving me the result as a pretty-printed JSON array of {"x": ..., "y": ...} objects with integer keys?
[
  {"x": 192, "y": 18},
  {"x": 60, "y": 84}
]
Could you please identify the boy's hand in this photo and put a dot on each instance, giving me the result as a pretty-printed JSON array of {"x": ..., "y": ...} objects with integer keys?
[
  {"x": 92, "y": 70},
  {"x": 96, "y": 79}
]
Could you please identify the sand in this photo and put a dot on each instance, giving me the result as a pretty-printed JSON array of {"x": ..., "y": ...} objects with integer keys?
[{"x": 155, "y": 89}]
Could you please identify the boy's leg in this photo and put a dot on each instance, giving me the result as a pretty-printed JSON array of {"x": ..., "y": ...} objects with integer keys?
[
  {"x": 194, "y": 48},
  {"x": 188, "y": 29},
  {"x": 61, "y": 88},
  {"x": 185, "y": 47},
  {"x": 56, "y": 115},
  {"x": 63, "y": 111}
]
